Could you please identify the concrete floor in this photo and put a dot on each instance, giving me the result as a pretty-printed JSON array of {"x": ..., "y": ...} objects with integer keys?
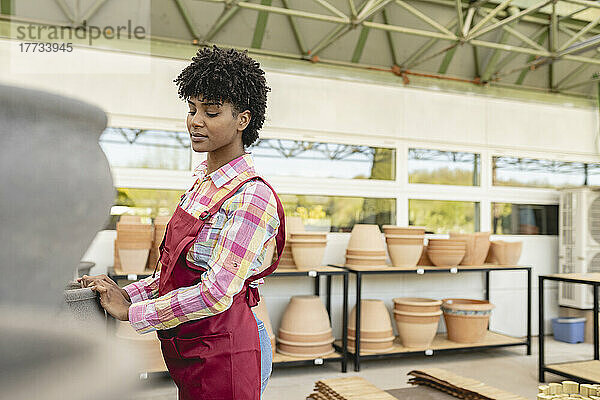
[{"x": 508, "y": 369}]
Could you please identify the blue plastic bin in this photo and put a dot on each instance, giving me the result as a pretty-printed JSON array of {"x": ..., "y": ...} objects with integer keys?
[{"x": 569, "y": 329}]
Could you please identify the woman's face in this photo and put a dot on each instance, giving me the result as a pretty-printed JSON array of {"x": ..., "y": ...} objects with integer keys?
[{"x": 213, "y": 126}]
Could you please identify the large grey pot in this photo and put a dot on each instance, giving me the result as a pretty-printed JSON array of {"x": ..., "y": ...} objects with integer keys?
[{"x": 56, "y": 192}]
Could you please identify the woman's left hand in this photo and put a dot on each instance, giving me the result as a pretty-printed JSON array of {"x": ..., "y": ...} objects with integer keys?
[{"x": 112, "y": 300}]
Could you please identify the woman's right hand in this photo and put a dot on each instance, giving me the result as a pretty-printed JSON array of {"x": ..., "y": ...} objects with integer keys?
[{"x": 87, "y": 281}]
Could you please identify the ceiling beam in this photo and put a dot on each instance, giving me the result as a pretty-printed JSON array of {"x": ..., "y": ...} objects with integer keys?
[
  {"x": 571, "y": 75},
  {"x": 425, "y": 18},
  {"x": 93, "y": 10},
  {"x": 66, "y": 10},
  {"x": 187, "y": 19},
  {"x": 228, "y": 12},
  {"x": 508, "y": 20},
  {"x": 509, "y": 29},
  {"x": 423, "y": 49},
  {"x": 295, "y": 31},
  {"x": 540, "y": 35},
  {"x": 370, "y": 8},
  {"x": 489, "y": 16},
  {"x": 329, "y": 7},
  {"x": 495, "y": 56},
  {"x": 459, "y": 14},
  {"x": 390, "y": 39},
  {"x": 579, "y": 34},
  {"x": 261, "y": 26},
  {"x": 360, "y": 44}
]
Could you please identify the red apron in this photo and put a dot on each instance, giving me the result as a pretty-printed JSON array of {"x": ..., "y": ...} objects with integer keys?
[{"x": 218, "y": 357}]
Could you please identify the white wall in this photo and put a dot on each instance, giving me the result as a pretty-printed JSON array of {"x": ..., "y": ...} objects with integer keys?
[{"x": 341, "y": 110}]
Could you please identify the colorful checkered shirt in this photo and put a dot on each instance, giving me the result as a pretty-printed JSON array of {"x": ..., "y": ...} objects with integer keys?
[{"x": 231, "y": 246}]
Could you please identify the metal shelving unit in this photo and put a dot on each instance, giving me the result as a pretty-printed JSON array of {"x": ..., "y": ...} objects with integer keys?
[
  {"x": 581, "y": 371},
  {"x": 439, "y": 344},
  {"x": 329, "y": 272}
]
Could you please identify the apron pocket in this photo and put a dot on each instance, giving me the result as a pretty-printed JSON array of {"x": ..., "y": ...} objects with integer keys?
[{"x": 208, "y": 365}]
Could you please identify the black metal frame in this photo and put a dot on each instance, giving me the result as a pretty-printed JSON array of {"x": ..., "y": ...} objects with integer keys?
[
  {"x": 542, "y": 368},
  {"x": 313, "y": 274},
  {"x": 359, "y": 275}
]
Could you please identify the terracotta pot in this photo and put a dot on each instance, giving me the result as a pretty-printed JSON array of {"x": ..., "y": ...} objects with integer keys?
[
  {"x": 445, "y": 259},
  {"x": 365, "y": 253},
  {"x": 133, "y": 261},
  {"x": 416, "y": 304},
  {"x": 147, "y": 346},
  {"x": 305, "y": 338},
  {"x": 328, "y": 340},
  {"x": 364, "y": 258},
  {"x": 130, "y": 219},
  {"x": 308, "y": 255},
  {"x": 131, "y": 236},
  {"x": 417, "y": 329},
  {"x": 366, "y": 237},
  {"x": 424, "y": 260},
  {"x": 263, "y": 314},
  {"x": 477, "y": 246},
  {"x": 405, "y": 255},
  {"x": 293, "y": 224},
  {"x": 366, "y": 263},
  {"x": 162, "y": 219},
  {"x": 446, "y": 242},
  {"x": 466, "y": 320},
  {"x": 403, "y": 230},
  {"x": 506, "y": 253},
  {"x": 305, "y": 315},
  {"x": 374, "y": 316},
  {"x": 414, "y": 240},
  {"x": 311, "y": 352},
  {"x": 316, "y": 236},
  {"x": 371, "y": 347},
  {"x": 369, "y": 336}
]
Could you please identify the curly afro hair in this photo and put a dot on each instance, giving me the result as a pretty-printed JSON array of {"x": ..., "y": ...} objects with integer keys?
[{"x": 228, "y": 76}]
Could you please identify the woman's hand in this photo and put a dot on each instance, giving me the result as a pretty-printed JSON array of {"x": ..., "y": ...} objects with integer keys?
[
  {"x": 87, "y": 281},
  {"x": 112, "y": 299}
]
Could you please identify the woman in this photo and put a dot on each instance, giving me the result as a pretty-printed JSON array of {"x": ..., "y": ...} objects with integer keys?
[{"x": 200, "y": 300}]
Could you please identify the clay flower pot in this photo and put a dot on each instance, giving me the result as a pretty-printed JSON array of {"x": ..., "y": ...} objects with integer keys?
[
  {"x": 263, "y": 314},
  {"x": 375, "y": 317},
  {"x": 316, "y": 236},
  {"x": 366, "y": 237},
  {"x": 403, "y": 230},
  {"x": 405, "y": 255},
  {"x": 416, "y": 304},
  {"x": 445, "y": 258},
  {"x": 311, "y": 350},
  {"x": 506, "y": 253},
  {"x": 374, "y": 346},
  {"x": 432, "y": 243},
  {"x": 361, "y": 262},
  {"x": 477, "y": 246},
  {"x": 308, "y": 254},
  {"x": 466, "y": 320},
  {"x": 417, "y": 329},
  {"x": 133, "y": 261},
  {"x": 293, "y": 224},
  {"x": 424, "y": 260},
  {"x": 411, "y": 240},
  {"x": 147, "y": 346},
  {"x": 305, "y": 315},
  {"x": 365, "y": 253}
]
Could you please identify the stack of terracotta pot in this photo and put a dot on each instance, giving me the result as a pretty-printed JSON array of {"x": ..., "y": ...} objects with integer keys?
[
  {"x": 305, "y": 329},
  {"x": 417, "y": 320},
  {"x": 504, "y": 253},
  {"x": 146, "y": 346},
  {"x": 292, "y": 224},
  {"x": 376, "y": 333},
  {"x": 477, "y": 247},
  {"x": 446, "y": 252},
  {"x": 366, "y": 247},
  {"x": 308, "y": 249},
  {"x": 404, "y": 244},
  {"x": 132, "y": 247},
  {"x": 263, "y": 314},
  {"x": 160, "y": 227},
  {"x": 466, "y": 320}
]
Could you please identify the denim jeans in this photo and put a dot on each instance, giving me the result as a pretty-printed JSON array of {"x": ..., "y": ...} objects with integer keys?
[{"x": 266, "y": 354}]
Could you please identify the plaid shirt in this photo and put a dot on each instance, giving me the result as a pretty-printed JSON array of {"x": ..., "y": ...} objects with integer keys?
[{"x": 236, "y": 235}]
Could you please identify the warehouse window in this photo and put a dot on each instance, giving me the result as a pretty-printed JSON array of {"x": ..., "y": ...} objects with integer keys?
[
  {"x": 339, "y": 213},
  {"x": 529, "y": 172},
  {"x": 279, "y": 157},
  {"x": 524, "y": 219},
  {"x": 145, "y": 148},
  {"x": 443, "y": 167},
  {"x": 143, "y": 202},
  {"x": 442, "y": 216}
]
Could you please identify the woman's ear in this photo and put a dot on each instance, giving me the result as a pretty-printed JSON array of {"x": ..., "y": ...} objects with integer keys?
[{"x": 244, "y": 119}]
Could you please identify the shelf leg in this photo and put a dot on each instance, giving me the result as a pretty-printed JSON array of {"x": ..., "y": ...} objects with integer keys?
[
  {"x": 487, "y": 285},
  {"x": 345, "y": 325},
  {"x": 357, "y": 325},
  {"x": 595, "y": 319},
  {"x": 541, "y": 361},
  {"x": 529, "y": 289},
  {"x": 328, "y": 299},
  {"x": 318, "y": 285}
]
